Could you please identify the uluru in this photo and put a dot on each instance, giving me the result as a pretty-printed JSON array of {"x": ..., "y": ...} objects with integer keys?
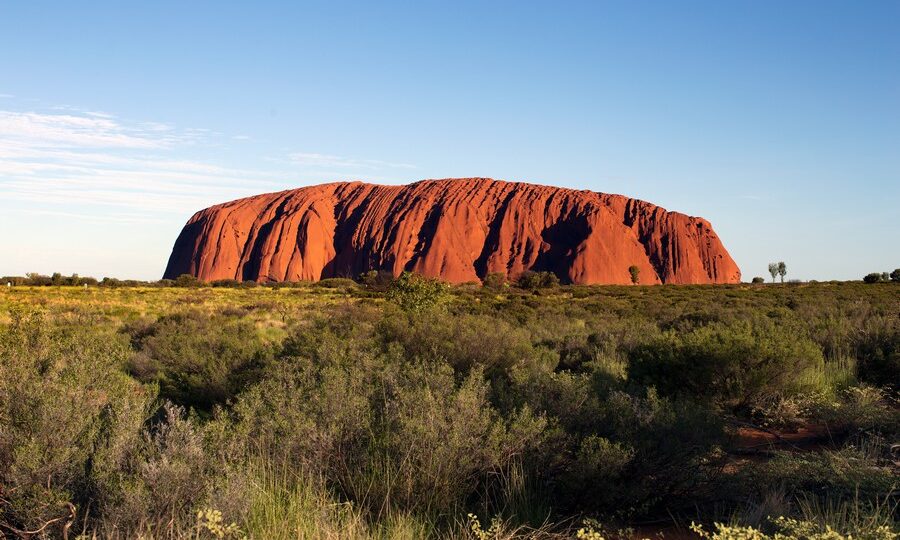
[{"x": 457, "y": 230}]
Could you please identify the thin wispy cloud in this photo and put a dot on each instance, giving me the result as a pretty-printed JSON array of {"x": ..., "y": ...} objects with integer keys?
[
  {"x": 93, "y": 166},
  {"x": 156, "y": 126},
  {"x": 118, "y": 217},
  {"x": 69, "y": 130},
  {"x": 64, "y": 163}
]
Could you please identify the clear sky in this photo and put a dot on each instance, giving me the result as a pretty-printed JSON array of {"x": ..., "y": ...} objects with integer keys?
[{"x": 777, "y": 121}]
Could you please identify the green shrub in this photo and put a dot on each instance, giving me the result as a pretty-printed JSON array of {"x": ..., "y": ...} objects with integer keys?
[
  {"x": 537, "y": 280},
  {"x": 737, "y": 366},
  {"x": 166, "y": 474},
  {"x": 844, "y": 473},
  {"x": 495, "y": 280},
  {"x": 672, "y": 442},
  {"x": 878, "y": 351},
  {"x": 874, "y": 277},
  {"x": 466, "y": 341},
  {"x": 337, "y": 283},
  {"x": 857, "y": 410},
  {"x": 228, "y": 283},
  {"x": 875, "y": 520},
  {"x": 198, "y": 360},
  {"x": 409, "y": 438},
  {"x": 414, "y": 293},
  {"x": 634, "y": 272},
  {"x": 617, "y": 453},
  {"x": 793, "y": 529},
  {"x": 187, "y": 280},
  {"x": 68, "y": 415},
  {"x": 267, "y": 500},
  {"x": 442, "y": 440},
  {"x": 600, "y": 464},
  {"x": 376, "y": 280}
]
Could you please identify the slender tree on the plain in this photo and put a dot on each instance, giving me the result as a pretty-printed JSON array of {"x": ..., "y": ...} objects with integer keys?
[
  {"x": 634, "y": 271},
  {"x": 782, "y": 270},
  {"x": 773, "y": 269}
]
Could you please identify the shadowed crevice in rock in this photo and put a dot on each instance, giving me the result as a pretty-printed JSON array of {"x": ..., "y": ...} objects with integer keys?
[
  {"x": 346, "y": 261},
  {"x": 425, "y": 237},
  {"x": 563, "y": 239},
  {"x": 251, "y": 269},
  {"x": 492, "y": 242}
]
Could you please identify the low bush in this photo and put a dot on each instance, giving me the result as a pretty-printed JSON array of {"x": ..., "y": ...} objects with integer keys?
[
  {"x": 466, "y": 341},
  {"x": 414, "y": 293},
  {"x": 495, "y": 280},
  {"x": 227, "y": 283},
  {"x": 878, "y": 352},
  {"x": 408, "y": 438},
  {"x": 187, "y": 280},
  {"x": 537, "y": 280},
  {"x": 163, "y": 477},
  {"x": 858, "y": 410},
  {"x": 737, "y": 366},
  {"x": 377, "y": 280},
  {"x": 68, "y": 417},
  {"x": 848, "y": 472},
  {"x": 198, "y": 360},
  {"x": 337, "y": 283},
  {"x": 794, "y": 529}
]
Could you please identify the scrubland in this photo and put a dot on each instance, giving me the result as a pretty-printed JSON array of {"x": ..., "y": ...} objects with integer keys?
[{"x": 411, "y": 409}]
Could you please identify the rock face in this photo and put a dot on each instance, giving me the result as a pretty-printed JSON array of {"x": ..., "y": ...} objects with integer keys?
[{"x": 457, "y": 230}]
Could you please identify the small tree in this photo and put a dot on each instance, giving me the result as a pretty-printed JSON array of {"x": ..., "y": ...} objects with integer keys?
[
  {"x": 537, "y": 280},
  {"x": 229, "y": 283},
  {"x": 495, "y": 280},
  {"x": 635, "y": 272},
  {"x": 782, "y": 270},
  {"x": 369, "y": 279},
  {"x": 874, "y": 277},
  {"x": 414, "y": 293},
  {"x": 758, "y": 279},
  {"x": 376, "y": 280},
  {"x": 773, "y": 270},
  {"x": 187, "y": 280},
  {"x": 895, "y": 275}
]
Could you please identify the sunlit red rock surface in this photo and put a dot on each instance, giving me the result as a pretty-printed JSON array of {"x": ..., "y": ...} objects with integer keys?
[{"x": 457, "y": 229}]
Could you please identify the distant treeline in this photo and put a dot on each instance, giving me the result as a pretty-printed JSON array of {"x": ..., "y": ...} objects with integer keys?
[
  {"x": 374, "y": 280},
  {"x": 59, "y": 280}
]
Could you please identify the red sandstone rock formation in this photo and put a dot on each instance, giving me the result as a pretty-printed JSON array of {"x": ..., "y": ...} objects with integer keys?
[{"x": 457, "y": 230}]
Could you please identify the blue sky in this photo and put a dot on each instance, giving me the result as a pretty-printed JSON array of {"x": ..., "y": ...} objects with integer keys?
[{"x": 777, "y": 121}]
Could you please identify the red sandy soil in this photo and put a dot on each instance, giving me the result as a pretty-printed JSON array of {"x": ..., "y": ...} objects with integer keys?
[{"x": 809, "y": 437}]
